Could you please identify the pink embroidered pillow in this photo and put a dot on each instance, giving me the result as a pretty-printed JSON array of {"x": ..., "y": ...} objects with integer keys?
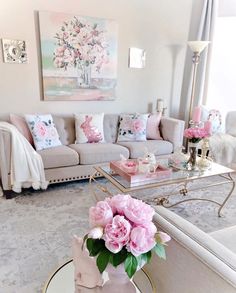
[
  {"x": 153, "y": 124},
  {"x": 89, "y": 128},
  {"x": 20, "y": 123}
]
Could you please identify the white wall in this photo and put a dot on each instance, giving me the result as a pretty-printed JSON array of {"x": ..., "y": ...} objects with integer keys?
[
  {"x": 159, "y": 26},
  {"x": 227, "y": 8}
]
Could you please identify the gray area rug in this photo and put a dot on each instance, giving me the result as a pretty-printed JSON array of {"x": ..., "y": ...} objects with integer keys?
[{"x": 37, "y": 227}]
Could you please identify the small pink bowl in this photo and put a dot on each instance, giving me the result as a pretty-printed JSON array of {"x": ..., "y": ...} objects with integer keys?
[{"x": 130, "y": 167}]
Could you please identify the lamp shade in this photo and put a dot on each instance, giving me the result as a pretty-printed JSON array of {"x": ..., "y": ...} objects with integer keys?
[{"x": 198, "y": 46}]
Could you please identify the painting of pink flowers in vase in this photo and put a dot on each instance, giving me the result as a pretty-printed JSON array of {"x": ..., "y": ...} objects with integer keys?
[{"x": 79, "y": 57}]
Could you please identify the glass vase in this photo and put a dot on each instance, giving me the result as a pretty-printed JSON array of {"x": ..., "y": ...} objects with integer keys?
[
  {"x": 84, "y": 75},
  {"x": 192, "y": 161}
]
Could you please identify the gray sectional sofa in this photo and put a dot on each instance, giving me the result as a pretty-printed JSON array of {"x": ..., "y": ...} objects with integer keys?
[{"x": 72, "y": 161}]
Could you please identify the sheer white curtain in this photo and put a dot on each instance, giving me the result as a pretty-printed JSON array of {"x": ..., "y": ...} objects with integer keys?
[{"x": 205, "y": 32}]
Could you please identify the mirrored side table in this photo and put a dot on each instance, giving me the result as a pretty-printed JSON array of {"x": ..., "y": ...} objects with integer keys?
[{"x": 62, "y": 281}]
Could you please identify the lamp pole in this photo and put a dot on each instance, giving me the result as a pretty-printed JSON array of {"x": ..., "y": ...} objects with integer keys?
[{"x": 197, "y": 47}]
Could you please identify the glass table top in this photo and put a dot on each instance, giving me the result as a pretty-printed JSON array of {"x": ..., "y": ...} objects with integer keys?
[{"x": 176, "y": 176}]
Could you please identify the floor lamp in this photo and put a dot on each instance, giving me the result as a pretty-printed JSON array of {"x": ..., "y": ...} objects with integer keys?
[{"x": 197, "y": 47}]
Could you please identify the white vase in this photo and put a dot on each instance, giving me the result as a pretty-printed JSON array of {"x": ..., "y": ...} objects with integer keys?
[{"x": 118, "y": 282}]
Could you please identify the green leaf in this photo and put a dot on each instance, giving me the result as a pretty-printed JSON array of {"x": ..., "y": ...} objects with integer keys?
[
  {"x": 131, "y": 265},
  {"x": 118, "y": 258},
  {"x": 95, "y": 246},
  {"x": 160, "y": 250},
  {"x": 89, "y": 244},
  {"x": 144, "y": 258},
  {"x": 149, "y": 256},
  {"x": 103, "y": 259}
]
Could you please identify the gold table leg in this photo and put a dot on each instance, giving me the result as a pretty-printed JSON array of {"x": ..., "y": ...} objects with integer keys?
[
  {"x": 104, "y": 189},
  {"x": 164, "y": 200}
]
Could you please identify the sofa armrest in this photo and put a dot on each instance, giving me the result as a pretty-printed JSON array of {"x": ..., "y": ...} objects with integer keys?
[
  {"x": 195, "y": 262},
  {"x": 5, "y": 159},
  {"x": 172, "y": 130}
]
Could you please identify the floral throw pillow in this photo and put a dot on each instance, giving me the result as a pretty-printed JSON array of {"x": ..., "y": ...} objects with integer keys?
[
  {"x": 132, "y": 127},
  {"x": 89, "y": 128},
  {"x": 43, "y": 130},
  {"x": 214, "y": 116}
]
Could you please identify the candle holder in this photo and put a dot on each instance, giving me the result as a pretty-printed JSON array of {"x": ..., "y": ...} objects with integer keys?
[{"x": 205, "y": 162}]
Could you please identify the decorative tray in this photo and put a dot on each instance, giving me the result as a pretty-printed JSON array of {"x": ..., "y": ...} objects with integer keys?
[{"x": 133, "y": 175}]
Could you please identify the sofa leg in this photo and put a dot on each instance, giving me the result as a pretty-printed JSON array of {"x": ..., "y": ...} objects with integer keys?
[{"x": 9, "y": 194}]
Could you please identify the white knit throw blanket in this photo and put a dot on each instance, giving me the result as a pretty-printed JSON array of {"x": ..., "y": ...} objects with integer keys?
[
  {"x": 26, "y": 164},
  {"x": 223, "y": 149}
]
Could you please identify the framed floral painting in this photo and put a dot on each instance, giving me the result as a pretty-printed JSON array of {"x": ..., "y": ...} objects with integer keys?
[{"x": 79, "y": 57}]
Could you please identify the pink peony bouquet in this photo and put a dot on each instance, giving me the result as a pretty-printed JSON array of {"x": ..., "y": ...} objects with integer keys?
[
  {"x": 195, "y": 134},
  {"x": 122, "y": 231}
]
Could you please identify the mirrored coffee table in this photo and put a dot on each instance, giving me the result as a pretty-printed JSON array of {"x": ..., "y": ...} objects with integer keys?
[
  {"x": 62, "y": 281},
  {"x": 182, "y": 179}
]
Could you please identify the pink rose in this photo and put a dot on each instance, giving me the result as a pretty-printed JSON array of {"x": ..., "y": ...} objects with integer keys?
[
  {"x": 140, "y": 241},
  {"x": 100, "y": 215},
  {"x": 116, "y": 234},
  {"x": 138, "y": 212},
  {"x": 119, "y": 203}
]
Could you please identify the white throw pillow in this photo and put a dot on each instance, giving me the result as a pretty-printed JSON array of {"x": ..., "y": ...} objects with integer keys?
[
  {"x": 89, "y": 128},
  {"x": 43, "y": 130},
  {"x": 132, "y": 127}
]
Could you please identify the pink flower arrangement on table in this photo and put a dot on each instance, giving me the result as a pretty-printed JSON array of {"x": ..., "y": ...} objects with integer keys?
[
  {"x": 195, "y": 134},
  {"x": 122, "y": 231}
]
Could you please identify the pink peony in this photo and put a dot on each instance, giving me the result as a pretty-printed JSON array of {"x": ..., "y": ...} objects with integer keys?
[
  {"x": 195, "y": 133},
  {"x": 117, "y": 234},
  {"x": 41, "y": 129},
  {"x": 164, "y": 237},
  {"x": 140, "y": 241},
  {"x": 96, "y": 233},
  {"x": 119, "y": 202},
  {"x": 100, "y": 215},
  {"x": 138, "y": 212},
  {"x": 150, "y": 227},
  {"x": 138, "y": 126}
]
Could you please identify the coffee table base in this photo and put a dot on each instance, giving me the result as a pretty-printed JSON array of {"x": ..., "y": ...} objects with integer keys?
[{"x": 163, "y": 200}]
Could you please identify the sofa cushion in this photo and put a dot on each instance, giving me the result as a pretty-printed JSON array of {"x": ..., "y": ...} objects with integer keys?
[
  {"x": 227, "y": 237},
  {"x": 110, "y": 127},
  {"x": 65, "y": 125},
  {"x": 60, "y": 156},
  {"x": 22, "y": 126},
  {"x": 158, "y": 147},
  {"x": 94, "y": 153}
]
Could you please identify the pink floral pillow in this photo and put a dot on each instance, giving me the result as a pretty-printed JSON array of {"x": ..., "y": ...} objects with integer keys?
[
  {"x": 20, "y": 123},
  {"x": 153, "y": 124},
  {"x": 132, "y": 127},
  {"x": 43, "y": 130}
]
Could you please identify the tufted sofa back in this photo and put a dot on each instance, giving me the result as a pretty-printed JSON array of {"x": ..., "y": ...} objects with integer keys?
[{"x": 65, "y": 125}]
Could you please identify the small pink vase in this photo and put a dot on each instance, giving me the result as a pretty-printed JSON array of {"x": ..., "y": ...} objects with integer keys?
[{"x": 118, "y": 282}]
